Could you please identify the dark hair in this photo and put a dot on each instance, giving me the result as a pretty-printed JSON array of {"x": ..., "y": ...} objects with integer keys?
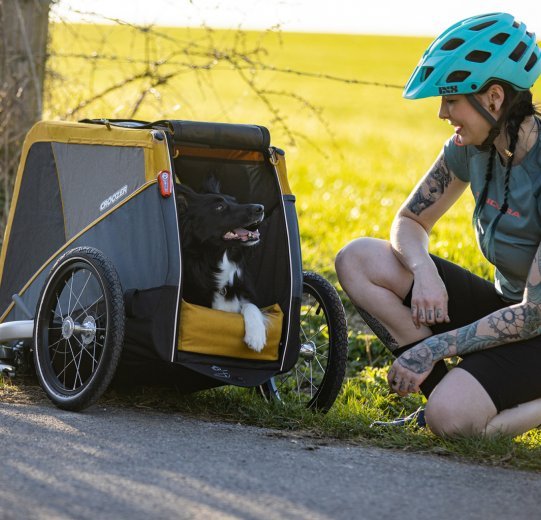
[{"x": 517, "y": 106}]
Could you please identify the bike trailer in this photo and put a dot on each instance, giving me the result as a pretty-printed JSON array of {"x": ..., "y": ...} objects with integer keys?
[{"x": 91, "y": 261}]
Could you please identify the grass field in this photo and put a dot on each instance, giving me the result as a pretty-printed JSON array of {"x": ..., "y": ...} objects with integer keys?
[
  {"x": 350, "y": 173},
  {"x": 358, "y": 150}
]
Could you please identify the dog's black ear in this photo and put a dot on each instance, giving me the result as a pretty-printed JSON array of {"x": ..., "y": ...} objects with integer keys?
[
  {"x": 211, "y": 185},
  {"x": 183, "y": 196}
]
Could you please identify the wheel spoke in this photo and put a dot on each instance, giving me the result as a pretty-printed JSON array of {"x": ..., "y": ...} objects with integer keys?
[
  {"x": 85, "y": 311},
  {"x": 56, "y": 351},
  {"x": 66, "y": 365},
  {"x": 320, "y": 365},
  {"x": 78, "y": 298},
  {"x": 61, "y": 316},
  {"x": 308, "y": 380},
  {"x": 318, "y": 332}
]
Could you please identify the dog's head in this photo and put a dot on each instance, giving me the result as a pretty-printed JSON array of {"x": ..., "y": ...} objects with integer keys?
[{"x": 215, "y": 219}]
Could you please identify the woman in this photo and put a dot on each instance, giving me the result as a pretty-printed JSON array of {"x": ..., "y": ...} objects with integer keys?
[{"x": 427, "y": 309}]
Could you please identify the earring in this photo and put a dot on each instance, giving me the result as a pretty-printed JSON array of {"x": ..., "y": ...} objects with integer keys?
[{"x": 492, "y": 107}]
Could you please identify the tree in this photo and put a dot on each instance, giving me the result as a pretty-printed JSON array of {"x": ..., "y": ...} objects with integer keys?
[{"x": 23, "y": 46}]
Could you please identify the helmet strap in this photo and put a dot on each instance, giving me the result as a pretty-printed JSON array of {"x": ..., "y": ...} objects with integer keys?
[
  {"x": 474, "y": 102},
  {"x": 495, "y": 124}
]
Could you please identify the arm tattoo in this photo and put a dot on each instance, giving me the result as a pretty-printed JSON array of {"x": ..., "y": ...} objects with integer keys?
[
  {"x": 533, "y": 290},
  {"x": 516, "y": 322},
  {"x": 419, "y": 359},
  {"x": 506, "y": 325},
  {"x": 432, "y": 188}
]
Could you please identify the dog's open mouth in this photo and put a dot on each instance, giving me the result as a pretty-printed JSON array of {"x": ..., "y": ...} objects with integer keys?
[{"x": 247, "y": 234}]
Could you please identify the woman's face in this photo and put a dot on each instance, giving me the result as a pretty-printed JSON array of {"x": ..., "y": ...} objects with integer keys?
[{"x": 470, "y": 126}]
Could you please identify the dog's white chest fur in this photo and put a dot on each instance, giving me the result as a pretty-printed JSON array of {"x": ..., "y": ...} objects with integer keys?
[
  {"x": 225, "y": 277},
  {"x": 255, "y": 323}
]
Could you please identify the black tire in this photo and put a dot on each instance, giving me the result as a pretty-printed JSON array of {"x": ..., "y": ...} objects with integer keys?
[
  {"x": 317, "y": 377},
  {"x": 79, "y": 328}
]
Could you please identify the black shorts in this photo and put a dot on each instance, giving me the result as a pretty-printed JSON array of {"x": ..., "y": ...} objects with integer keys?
[{"x": 511, "y": 374}]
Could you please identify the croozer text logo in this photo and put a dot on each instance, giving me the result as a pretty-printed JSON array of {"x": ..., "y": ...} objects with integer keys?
[{"x": 113, "y": 198}]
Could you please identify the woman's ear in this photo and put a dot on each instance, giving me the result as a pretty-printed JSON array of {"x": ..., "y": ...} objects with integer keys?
[{"x": 496, "y": 97}]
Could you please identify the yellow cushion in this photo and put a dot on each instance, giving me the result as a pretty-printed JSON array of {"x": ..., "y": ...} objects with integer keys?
[{"x": 219, "y": 333}]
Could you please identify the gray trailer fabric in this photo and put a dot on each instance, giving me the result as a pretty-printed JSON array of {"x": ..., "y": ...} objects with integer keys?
[
  {"x": 140, "y": 238},
  {"x": 95, "y": 178},
  {"x": 37, "y": 230}
]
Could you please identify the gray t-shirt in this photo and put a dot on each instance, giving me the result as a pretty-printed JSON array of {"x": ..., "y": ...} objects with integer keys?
[{"x": 518, "y": 233}]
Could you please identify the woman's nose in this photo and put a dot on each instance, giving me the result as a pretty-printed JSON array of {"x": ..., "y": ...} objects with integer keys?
[{"x": 443, "y": 113}]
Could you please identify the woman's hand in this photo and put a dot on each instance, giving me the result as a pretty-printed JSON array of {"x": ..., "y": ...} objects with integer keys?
[
  {"x": 410, "y": 369},
  {"x": 429, "y": 299}
]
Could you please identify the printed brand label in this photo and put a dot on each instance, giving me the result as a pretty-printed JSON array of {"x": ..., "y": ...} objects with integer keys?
[
  {"x": 444, "y": 91},
  {"x": 113, "y": 198}
]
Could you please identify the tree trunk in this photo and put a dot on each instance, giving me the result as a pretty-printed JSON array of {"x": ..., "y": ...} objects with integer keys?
[{"x": 23, "y": 52}]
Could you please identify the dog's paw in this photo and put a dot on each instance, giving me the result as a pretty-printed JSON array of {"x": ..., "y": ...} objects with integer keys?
[
  {"x": 255, "y": 340},
  {"x": 255, "y": 327}
]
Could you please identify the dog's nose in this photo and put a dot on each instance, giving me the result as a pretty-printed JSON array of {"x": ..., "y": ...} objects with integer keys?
[{"x": 258, "y": 208}]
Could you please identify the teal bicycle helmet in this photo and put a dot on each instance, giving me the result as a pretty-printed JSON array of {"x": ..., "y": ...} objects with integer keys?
[{"x": 474, "y": 51}]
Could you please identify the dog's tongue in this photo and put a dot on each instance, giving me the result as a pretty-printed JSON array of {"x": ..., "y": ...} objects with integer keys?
[{"x": 242, "y": 234}]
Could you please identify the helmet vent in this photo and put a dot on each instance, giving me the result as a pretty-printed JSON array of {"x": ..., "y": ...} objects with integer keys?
[
  {"x": 482, "y": 26},
  {"x": 452, "y": 44},
  {"x": 457, "y": 76},
  {"x": 478, "y": 56},
  {"x": 426, "y": 72},
  {"x": 499, "y": 39},
  {"x": 516, "y": 25},
  {"x": 531, "y": 62},
  {"x": 519, "y": 51}
]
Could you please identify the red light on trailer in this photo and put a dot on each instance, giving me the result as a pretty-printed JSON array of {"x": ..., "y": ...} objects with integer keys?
[{"x": 166, "y": 183}]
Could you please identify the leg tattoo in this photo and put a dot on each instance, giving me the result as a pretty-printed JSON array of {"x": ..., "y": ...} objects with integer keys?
[{"x": 378, "y": 329}]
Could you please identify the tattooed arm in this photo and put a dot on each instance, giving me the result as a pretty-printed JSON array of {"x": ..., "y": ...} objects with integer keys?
[
  {"x": 516, "y": 322},
  {"x": 430, "y": 199}
]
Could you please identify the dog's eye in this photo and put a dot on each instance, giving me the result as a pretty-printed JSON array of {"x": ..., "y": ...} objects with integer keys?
[{"x": 219, "y": 207}]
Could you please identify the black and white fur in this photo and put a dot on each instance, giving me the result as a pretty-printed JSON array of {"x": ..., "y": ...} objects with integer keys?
[{"x": 216, "y": 233}]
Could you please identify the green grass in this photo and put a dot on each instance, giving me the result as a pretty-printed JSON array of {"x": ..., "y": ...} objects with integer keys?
[{"x": 350, "y": 169}]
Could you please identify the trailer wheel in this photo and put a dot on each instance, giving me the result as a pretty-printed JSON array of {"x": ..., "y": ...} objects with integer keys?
[
  {"x": 79, "y": 328},
  {"x": 317, "y": 377}
]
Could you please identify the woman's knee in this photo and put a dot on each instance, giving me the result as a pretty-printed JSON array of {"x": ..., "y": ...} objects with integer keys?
[
  {"x": 444, "y": 418},
  {"x": 355, "y": 256},
  {"x": 459, "y": 406}
]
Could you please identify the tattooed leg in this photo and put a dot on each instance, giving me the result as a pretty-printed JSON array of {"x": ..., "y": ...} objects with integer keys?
[{"x": 378, "y": 329}]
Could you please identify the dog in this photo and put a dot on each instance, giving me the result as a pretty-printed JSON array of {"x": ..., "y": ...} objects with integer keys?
[{"x": 216, "y": 233}]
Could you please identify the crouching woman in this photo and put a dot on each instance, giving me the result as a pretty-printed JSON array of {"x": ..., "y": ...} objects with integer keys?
[{"x": 427, "y": 309}]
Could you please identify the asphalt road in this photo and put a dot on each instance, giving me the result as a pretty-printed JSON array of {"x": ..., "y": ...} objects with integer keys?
[{"x": 128, "y": 464}]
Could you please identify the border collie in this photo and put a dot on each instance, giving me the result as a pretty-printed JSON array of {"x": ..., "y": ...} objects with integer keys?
[{"x": 216, "y": 232}]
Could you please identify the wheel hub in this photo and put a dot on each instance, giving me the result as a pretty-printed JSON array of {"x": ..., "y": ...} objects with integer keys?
[
  {"x": 68, "y": 326},
  {"x": 308, "y": 350},
  {"x": 87, "y": 329}
]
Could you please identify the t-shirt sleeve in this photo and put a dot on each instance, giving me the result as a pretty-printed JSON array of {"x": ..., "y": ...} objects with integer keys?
[{"x": 456, "y": 158}]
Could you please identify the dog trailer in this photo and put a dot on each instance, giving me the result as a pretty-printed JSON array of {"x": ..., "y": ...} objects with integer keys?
[{"x": 91, "y": 265}]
